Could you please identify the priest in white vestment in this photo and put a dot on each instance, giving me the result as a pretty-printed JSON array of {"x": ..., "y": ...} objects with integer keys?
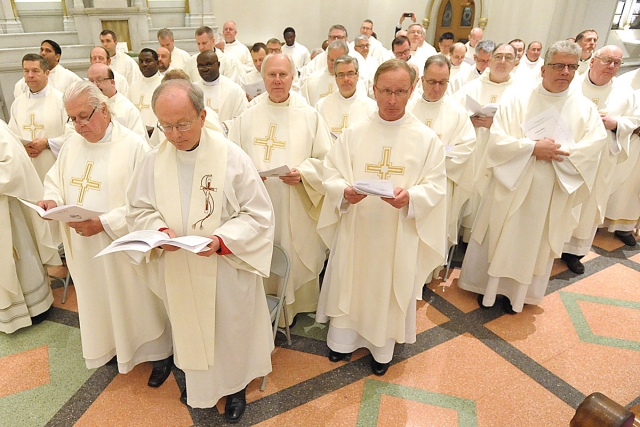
[
  {"x": 485, "y": 91},
  {"x": 350, "y": 103},
  {"x": 481, "y": 58},
  {"x": 420, "y": 49},
  {"x": 59, "y": 77},
  {"x": 630, "y": 78},
  {"x": 336, "y": 32},
  {"x": 141, "y": 92},
  {"x": 179, "y": 57},
  {"x": 450, "y": 121},
  {"x": 100, "y": 55},
  {"x": 234, "y": 47},
  {"x": 120, "y": 63},
  {"x": 122, "y": 109},
  {"x": 26, "y": 243},
  {"x": 230, "y": 66},
  {"x": 617, "y": 107},
  {"x": 299, "y": 53},
  {"x": 382, "y": 249},
  {"x": 119, "y": 315},
  {"x": 528, "y": 72},
  {"x": 526, "y": 213},
  {"x": 221, "y": 94},
  {"x": 587, "y": 40},
  {"x": 475, "y": 37},
  {"x": 282, "y": 129},
  {"x": 198, "y": 183},
  {"x": 37, "y": 115},
  {"x": 456, "y": 56}
]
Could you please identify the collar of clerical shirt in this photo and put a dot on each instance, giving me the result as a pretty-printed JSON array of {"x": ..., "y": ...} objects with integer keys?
[
  {"x": 213, "y": 83},
  {"x": 544, "y": 91},
  {"x": 391, "y": 123},
  {"x": 37, "y": 95},
  {"x": 279, "y": 104}
]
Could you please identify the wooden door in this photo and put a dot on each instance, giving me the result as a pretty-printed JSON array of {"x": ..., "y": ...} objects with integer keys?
[{"x": 456, "y": 16}]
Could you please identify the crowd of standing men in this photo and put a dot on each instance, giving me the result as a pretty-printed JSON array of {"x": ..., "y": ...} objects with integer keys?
[{"x": 522, "y": 156}]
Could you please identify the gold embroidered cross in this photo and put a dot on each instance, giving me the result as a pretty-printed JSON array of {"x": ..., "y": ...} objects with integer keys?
[
  {"x": 345, "y": 124},
  {"x": 329, "y": 91},
  {"x": 428, "y": 123},
  {"x": 85, "y": 183},
  {"x": 140, "y": 105},
  {"x": 270, "y": 142},
  {"x": 33, "y": 126},
  {"x": 209, "y": 105},
  {"x": 385, "y": 167},
  {"x": 493, "y": 99}
]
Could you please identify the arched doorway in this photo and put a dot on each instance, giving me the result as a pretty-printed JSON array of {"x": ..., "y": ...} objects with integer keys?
[{"x": 456, "y": 16}]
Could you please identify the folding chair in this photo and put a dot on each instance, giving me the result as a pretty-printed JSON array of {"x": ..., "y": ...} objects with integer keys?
[{"x": 280, "y": 266}]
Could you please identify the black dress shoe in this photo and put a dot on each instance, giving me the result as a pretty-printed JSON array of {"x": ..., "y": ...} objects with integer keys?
[
  {"x": 334, "y": 356},
  {"x": 159, "y": 374},
  {"x": 379, "y": 368},
  {"x": 235, "y": 406},
  {"x": 626, "y": 237},
  {"x": 183, "y": 396},
  {"x": 573, "y": 262},
  {"x": 480, "y": 298},
  {"x": 506, "y": 306},
  {"x": 35, "y": 320}
]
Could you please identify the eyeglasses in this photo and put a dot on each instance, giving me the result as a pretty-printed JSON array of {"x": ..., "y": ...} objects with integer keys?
[
  {"x": 403, "y": 53},
  {"x": 559, "y": 66},
  {"x": 501, "y": 56},
  {"x": 180, "y": 127},
  {"x": 362, "y": 46},
  {"x": 432, "y": 82},
  {"x": 334, "y": 38},
  {"x": 99, "y": 80},
  {"x": 79, "y": 121},
  {"x": 350, "y": 74},
  {"x": 400, "y": 93},
  {"x": 608, "y": 61}
]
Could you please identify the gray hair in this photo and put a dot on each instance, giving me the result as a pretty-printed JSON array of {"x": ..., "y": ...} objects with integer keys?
[
  {"x": 272, "y": 55},
  {"x": 345, "y": 59},
  {"x": 84, "y": 87},
  {"x": 487, "y": 46},
  {"x": 562, "y": 46},
  {"x": 360, "y": 37},
  {"x": 164, "y": 33},
  {"x": 424, "y": 33},
  {"x": 515, "y": 52},
  {"x": 195, "y": 94},
  {"x": 338, "y": 44},
  {"x": 438, "y": 59}
]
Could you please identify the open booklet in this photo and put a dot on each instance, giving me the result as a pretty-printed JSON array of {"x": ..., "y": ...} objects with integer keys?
[
  {"x": 275, "y": 172},
  {"x": 375, "y": 187},
  {"x": 145, "y": 240},
  {"x": 65, "y": 213},
  {"x": 478, "y": 110},
  {"x": 254, "y": 89}
]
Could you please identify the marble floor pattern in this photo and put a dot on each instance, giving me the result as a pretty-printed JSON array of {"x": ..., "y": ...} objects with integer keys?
[{"x": 469, "y": 366}]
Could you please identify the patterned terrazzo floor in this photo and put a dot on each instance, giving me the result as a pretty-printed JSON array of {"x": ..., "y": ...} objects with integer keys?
[{"x": 469, "y": 366}]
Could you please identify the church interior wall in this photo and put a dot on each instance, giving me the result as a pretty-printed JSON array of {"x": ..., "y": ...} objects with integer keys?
[{"x": 40, "y": 16}]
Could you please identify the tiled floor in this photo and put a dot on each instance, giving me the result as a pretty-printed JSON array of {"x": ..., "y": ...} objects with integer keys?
[{"x": 469, "y": 366}]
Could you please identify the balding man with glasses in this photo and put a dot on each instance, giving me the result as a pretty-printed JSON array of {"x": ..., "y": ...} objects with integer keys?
[{"x": 542, "y": 158}]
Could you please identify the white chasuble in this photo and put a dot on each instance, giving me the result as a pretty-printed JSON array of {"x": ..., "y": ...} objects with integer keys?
[
  {"x": 118, "y": 313},
  {"x": 522, "y": 226},
  {"x": 39, "y": 117},
  {"x": 224, "y": 96},
  {"x": 217, "y": 305},
  {"x": 140, "y": 94},
  {"x": 618, "y": 103},
  {"x": 380, "y": 255},
  {"x": 339, "y": 112},
  {"x": 292, "y": 134},
  {"x": 26, "y": 243},
  {"x": 451, "y": 123}
]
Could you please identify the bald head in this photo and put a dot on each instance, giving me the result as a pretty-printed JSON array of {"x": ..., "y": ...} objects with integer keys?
[
  {"x": 229, "y": 31},
  {"x": 99, "y": 55},
  {"x": 475, "y": 36},
  {"x": 605, "y": 64},
  {"x": 457, "y": 53},
  {"x": 164, "y": 59},
  {"x": 102, "y": 76}
]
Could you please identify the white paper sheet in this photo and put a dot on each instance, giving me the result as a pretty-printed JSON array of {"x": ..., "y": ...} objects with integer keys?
[
  {"x": 375, "y": 187},
  {"x": 275, "y": 172},
  {"x": 65, "y": 213}
]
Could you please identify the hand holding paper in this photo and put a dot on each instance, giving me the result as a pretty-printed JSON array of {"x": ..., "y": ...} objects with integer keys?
[
  {"x": 401, "y": 198},
  {"x": 48, "y": 209},
  {"x": 547, "y": 149}
]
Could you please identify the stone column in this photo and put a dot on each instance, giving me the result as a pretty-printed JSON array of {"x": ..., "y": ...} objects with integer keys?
[
  {"x": 67, "y": 21},
  {"x": 11, "y": 20}
]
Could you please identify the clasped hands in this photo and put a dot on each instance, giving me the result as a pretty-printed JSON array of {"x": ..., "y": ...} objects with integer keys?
[
  {"x": 547, "y": 149},
  {"x": 35, "y": 147},
  {"x": 214, "y": 246},
  {"x": 400, "y": 200}
]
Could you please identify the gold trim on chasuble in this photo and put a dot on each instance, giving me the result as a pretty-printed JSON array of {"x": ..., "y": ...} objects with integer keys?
[
  {"x": 33, "y": 126},
  {"x": 85, "y": 183},
  {"x": 140, "y": 105},
  {"x": 329, "y": 91},
  {"x": 209, "y": 205},
  {"x": 344, "y": 125},
  {"x": 269, "y": 146},
  {"x": 385, "y": 167},
  {"x": 209, "y": 105}
]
